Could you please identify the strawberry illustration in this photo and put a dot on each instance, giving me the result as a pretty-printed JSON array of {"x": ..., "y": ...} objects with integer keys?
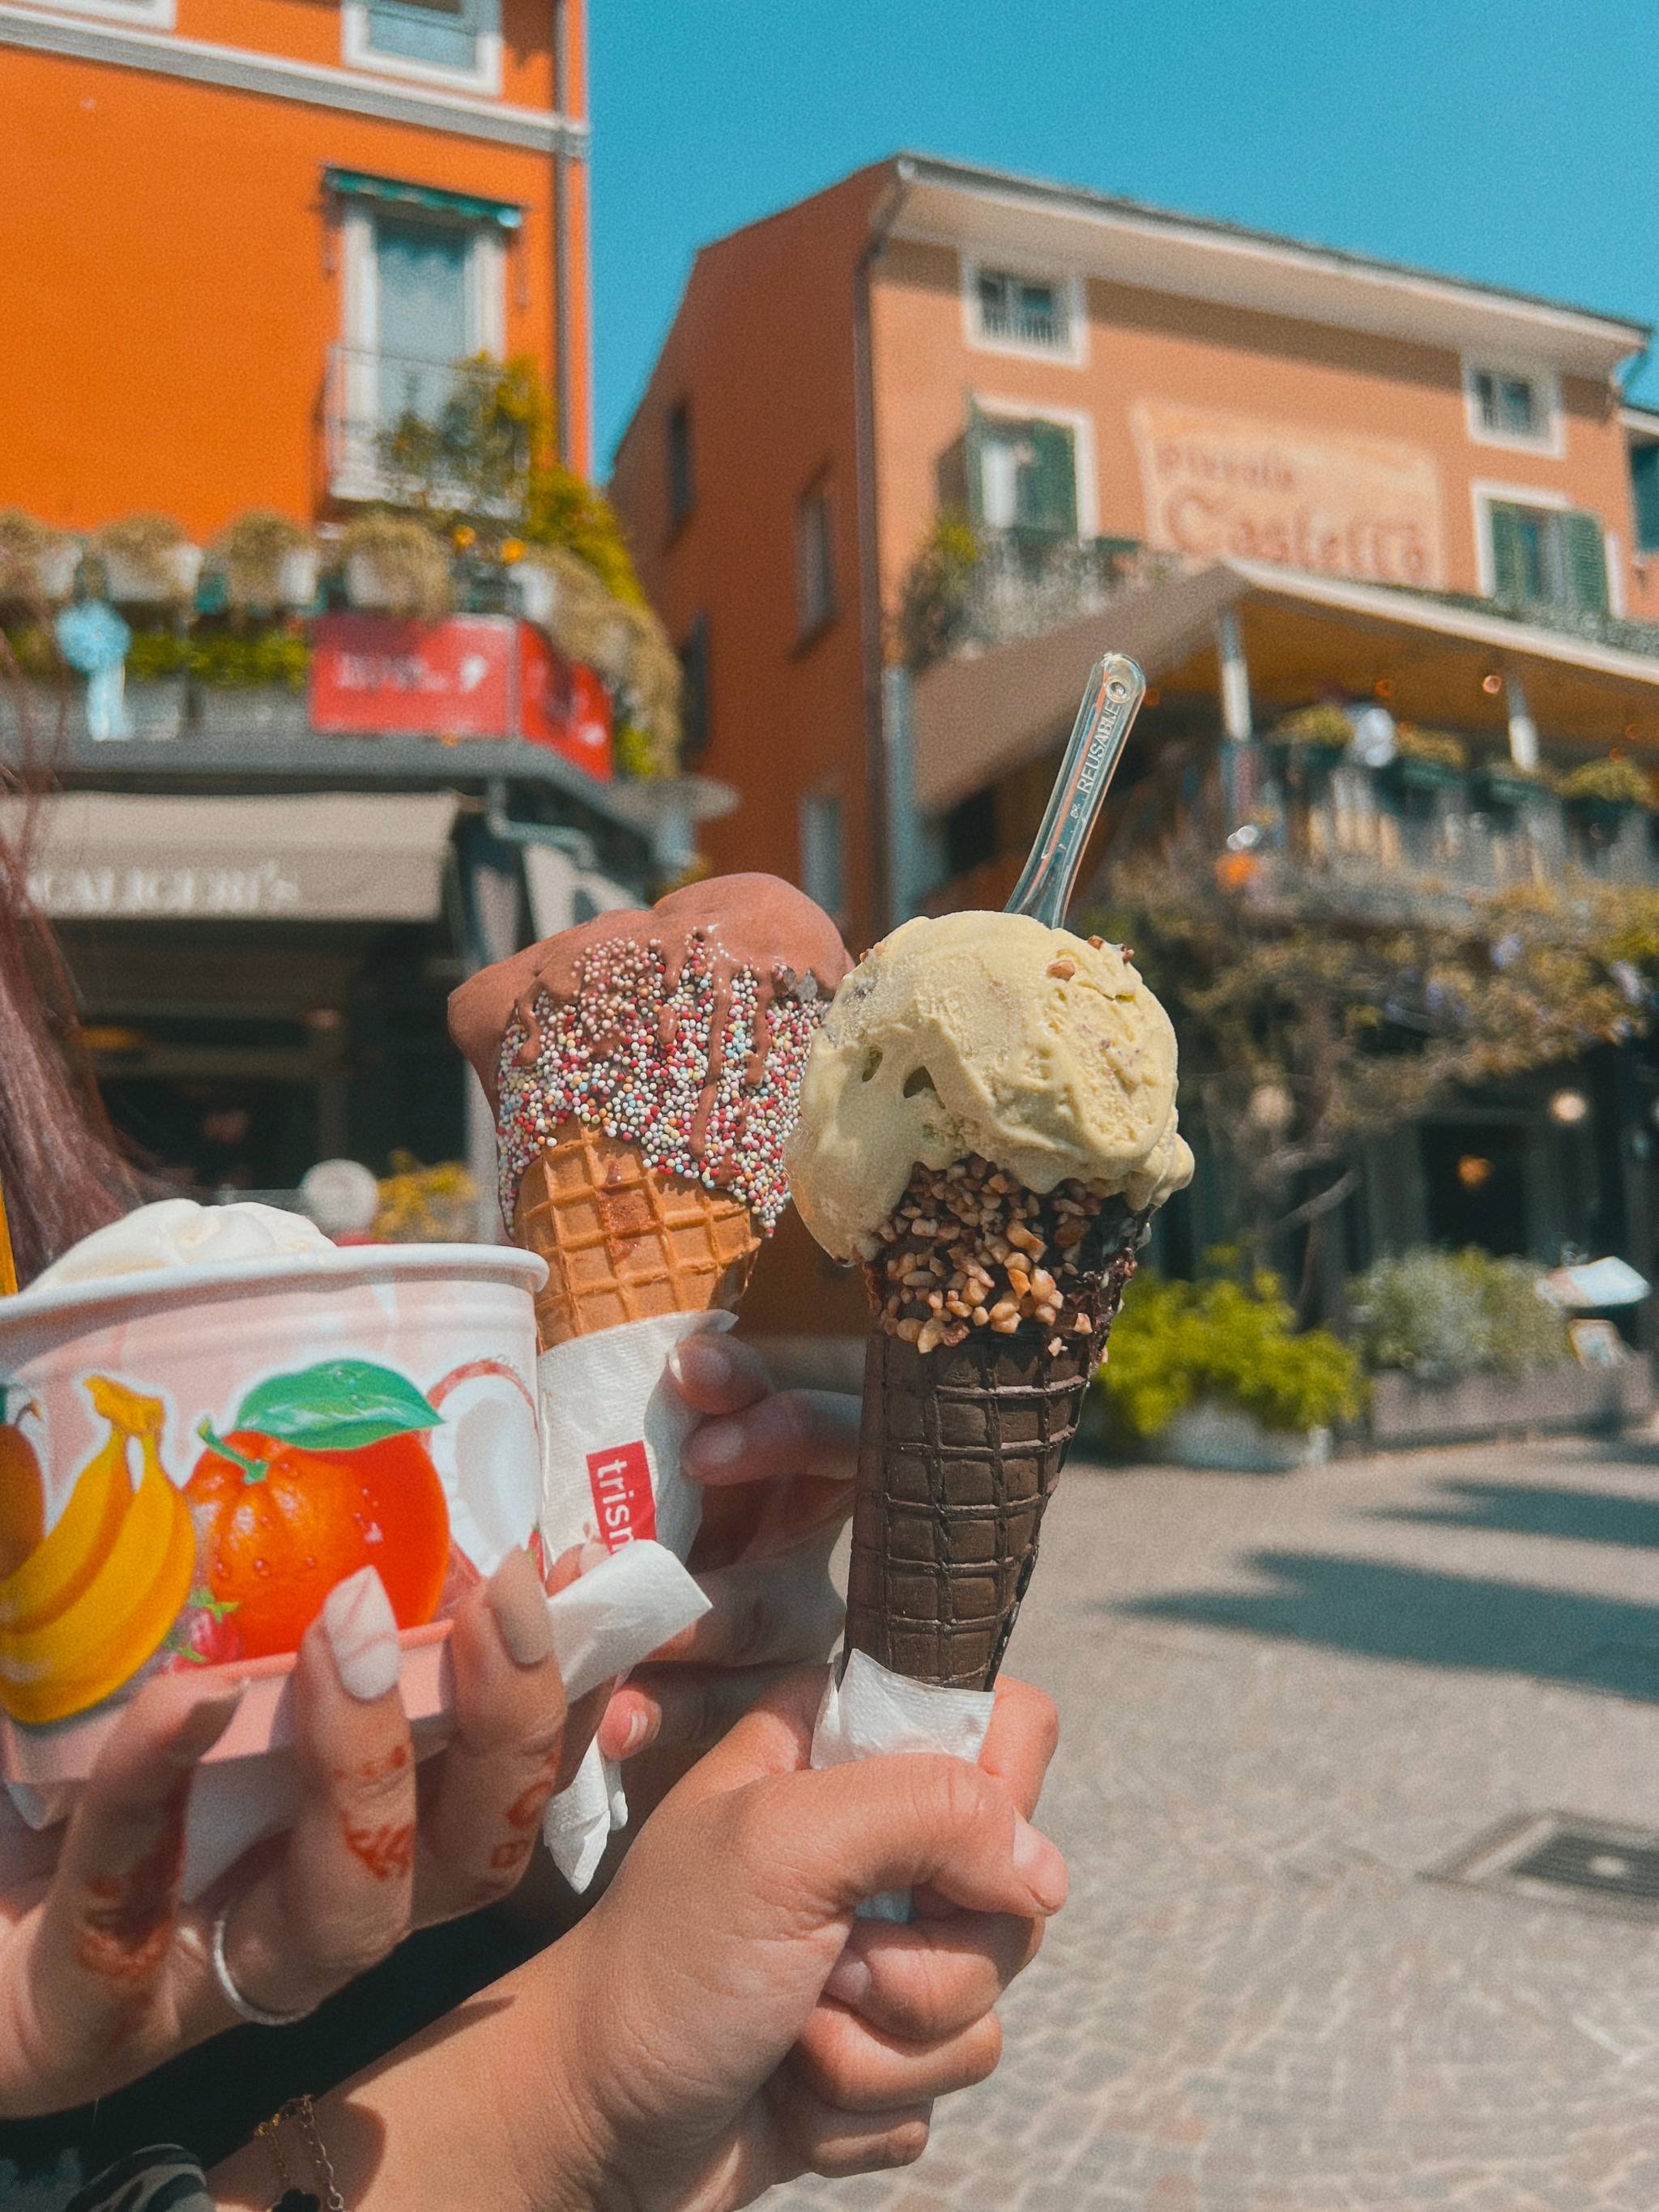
[{"x": 203, "y": 1635}]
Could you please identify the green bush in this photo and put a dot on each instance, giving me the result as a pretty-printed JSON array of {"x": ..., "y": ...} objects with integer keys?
[
  {"x": 1438, "y": 748},
  {"x": 225, "y": 660},
  {"x": 1322, "y": 724},
  {"x": 1455, "y": 1313},
  {"x": 1232, "y": 1342},
  {"x": 1613, "y": 782}
]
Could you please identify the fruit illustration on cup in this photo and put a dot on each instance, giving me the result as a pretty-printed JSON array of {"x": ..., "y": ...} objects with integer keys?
[
  {"x": 319, "y": 1474},
  {"x": 23, "y": 1486},
  {"x": 91, "y": 1599}
]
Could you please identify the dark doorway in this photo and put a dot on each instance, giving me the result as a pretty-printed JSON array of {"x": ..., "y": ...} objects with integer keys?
[
  {"x": 1474, "y": 1180},
  {"x": 218, "y": 1131}
]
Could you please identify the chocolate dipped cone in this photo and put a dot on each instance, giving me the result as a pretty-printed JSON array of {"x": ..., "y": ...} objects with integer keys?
[
  {"x": 624, "y": 1242},
  {"x": 965, "y": 1429}
]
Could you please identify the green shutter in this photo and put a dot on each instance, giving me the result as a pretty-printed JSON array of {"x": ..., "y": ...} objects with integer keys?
[
  {"x": 973, "y": 442},
  {"x": 1586, "y": 562},
  {"x": 1509, "y": 566},
  {"x": 1047, "y": 490},
  {"x": 1644, "y": 487}
]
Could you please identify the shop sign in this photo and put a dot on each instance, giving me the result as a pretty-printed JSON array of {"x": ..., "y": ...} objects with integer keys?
[
  {"x": 562, "y": 705},
  {"x": 1218, "y": 484},
  {"x": 262, "y": 890},
  {"x": 375, "y": 676}
]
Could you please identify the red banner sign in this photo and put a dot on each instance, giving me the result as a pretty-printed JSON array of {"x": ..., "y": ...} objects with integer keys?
[
  {"x": 375, "y": 676},
  {"x": 621, "y": 1482},
  {"x": 562, "y": 705}
]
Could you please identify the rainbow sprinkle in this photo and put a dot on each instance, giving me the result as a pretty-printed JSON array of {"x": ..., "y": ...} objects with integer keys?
[{"x": 602, "y": 1060}]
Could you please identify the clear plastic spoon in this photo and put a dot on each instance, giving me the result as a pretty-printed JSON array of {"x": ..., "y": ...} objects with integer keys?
[{"x": 1116, "y": 688}]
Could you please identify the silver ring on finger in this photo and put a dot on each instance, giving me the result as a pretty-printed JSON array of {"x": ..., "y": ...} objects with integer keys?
[{"x": 244, "y": 2007}]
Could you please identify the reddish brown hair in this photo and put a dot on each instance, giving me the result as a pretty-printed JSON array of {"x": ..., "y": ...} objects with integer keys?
[{"x": 60, "y": 1165}]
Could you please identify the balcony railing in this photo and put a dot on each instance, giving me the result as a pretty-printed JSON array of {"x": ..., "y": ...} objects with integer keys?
[
  {"x": 1037, "y": 327},
  {"x": 1021, "y": 583},
  {"x": 1359, "y": 827},
  {"x": 368, "y": 397}
]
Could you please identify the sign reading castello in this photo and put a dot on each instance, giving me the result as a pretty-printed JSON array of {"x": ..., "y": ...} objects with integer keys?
[{"x": 1334, "y": 503}]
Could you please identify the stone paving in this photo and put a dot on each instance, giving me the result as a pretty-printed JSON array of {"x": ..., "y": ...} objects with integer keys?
[{"x": 1283, "y": 1702}]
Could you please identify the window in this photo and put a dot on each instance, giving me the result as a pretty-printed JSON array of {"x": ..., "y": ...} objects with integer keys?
[
  {"x": 815, "y": 560},
  {"x": 822, "y": 865},
  {"x": 682, "y": 481},
  {"x": 456, "y": 41},
  {"x": 421, "y": 293},
  {"x": 1022, "y": 474},
  {"x": 1547, "y": 556},
  {"x": 694, "y": 732},
  {"x": 1009, "y": 311},
  {"x": 1644, "y": 492},
  {"x": 1513, "y": 407}
]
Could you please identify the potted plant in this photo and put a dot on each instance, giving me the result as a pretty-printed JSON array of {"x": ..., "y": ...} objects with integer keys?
[
  {"x": 1427, "y": 760},
  {"x": 1503, "y": 782},
  {"x": 1311, "y": 740},
  {"x": 268, "y": 563},
  {"x": 397, "y": 566},
  {"x": 35, "y": 563},
  {"x": 147, "y": 561},
  {"x": 1601, "y": 794},
  {"x": 1214, "y": 1375}
]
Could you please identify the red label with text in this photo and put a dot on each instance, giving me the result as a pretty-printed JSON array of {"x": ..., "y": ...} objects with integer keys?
[{"x": 621, "y": 1481}]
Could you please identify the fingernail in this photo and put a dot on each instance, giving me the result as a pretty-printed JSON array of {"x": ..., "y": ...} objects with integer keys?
[
  {"x": 638, "y": 1728},
  {"x": 700, "y": 1359},
  {"x": 592, "y": 1554},
  {"x": 849, "y": 1979},
  {"x": 515, "y": 1597},
  {"x": 1040, "y": 1865},
  {"x": 362, "y": 1634},
  {"x": 202, "y": 1726},
  {"x": 716, "y": 1444}
]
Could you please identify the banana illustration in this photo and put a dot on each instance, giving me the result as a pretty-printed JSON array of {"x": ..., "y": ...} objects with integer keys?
[{"x": 87, "y": 1607}]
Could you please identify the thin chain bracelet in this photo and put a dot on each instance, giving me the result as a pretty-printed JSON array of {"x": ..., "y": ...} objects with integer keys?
[{"x": 296, "y": 2197}]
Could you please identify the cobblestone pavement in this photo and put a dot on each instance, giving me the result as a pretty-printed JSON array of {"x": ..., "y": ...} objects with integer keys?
[{"x": 1282, "y": 1702}]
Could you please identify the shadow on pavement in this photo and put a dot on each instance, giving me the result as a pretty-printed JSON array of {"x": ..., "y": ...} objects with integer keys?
[
  {"x": 1386, "y": 1612},
  {"x": 1587, "y": 1516}
]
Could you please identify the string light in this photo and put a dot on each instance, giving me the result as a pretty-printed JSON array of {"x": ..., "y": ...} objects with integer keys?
[{"x": 1491, "y": 683}]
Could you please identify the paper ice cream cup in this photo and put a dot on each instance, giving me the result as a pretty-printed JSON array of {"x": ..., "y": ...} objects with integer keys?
[{"x": 192, "y": 1458}]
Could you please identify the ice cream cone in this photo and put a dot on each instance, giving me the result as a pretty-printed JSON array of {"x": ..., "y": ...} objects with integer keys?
[
  {"x": 959, "y": 1451},
  {"x": 625, "y": 1242}
]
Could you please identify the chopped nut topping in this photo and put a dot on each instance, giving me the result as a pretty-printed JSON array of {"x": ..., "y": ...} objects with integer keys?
[{"x": 1064, "y": 968}]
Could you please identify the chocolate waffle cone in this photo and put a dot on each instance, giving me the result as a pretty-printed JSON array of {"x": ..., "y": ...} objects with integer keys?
[
  {"x": 622, "y": 1241},
  {"x": 959, "y": 1450}
]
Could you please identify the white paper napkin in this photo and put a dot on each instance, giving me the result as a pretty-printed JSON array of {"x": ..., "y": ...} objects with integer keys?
[{"x": 872, "y": 1710}]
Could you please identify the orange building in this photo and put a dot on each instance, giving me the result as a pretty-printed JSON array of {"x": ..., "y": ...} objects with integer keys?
[
  {"x": 234, "y": 233},
  {"x": 918, "y": 448},
  {"x": 241, "y": 242}
]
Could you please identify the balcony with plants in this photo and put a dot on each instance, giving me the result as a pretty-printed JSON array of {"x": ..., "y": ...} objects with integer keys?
[{"x": 478, "y": 517}]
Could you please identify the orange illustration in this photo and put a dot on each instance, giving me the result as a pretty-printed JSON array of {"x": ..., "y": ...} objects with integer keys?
[
  {"x": 92, "y": 1600},
  {"x": 22, "y": 1493},
  {"x": 324, "y": 1472}
]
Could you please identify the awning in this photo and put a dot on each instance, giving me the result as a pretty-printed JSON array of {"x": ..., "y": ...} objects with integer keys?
[
  {"x": 339, "y": 856},
  {"x": 466, "y": 207}
]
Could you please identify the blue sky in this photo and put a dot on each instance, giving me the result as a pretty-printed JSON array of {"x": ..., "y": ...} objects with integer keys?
[{"x": 1509, "y": 140}]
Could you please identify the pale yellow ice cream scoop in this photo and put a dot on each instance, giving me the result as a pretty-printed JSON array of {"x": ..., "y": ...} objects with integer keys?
[{"x": 987, "y": 1033}]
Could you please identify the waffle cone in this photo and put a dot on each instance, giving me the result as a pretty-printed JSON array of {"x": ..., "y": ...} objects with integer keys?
[
  {"x": 959, "y": 1451},
  {"x": 623, "y": 1242}
]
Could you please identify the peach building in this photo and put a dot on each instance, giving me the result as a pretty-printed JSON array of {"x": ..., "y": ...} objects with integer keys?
[{"x": 918, "y": 448}]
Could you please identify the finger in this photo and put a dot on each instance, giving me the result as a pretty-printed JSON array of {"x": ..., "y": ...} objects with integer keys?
[
  {"x": 788, "y": 1432},
  {"x": 829, "y": 2140},
  {"x": 1021, "y": 1741},
  {"x": 933, "y": 1978},
  {"x": 502, "y": 1766},
  {"x": 337, "y": 1899},
  {"x": 770, "y": 1612},
  {"x": 109, "y": 1915},
  {"x": 893, "y": 1822},
  {"x": 681, "y": 1708},
  {"x": 715, "y": 1375},
  {"x": 857, "y": 2068}
]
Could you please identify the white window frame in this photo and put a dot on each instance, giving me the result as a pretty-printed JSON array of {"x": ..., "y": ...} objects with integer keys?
[
  {"x": 485, "y": 74},
  {"x": 1081, "y": 424},
  {"x": 1551, "y": 441},
  {"x": 152, "y": 15},
  {"x": 360, "y": 322},
  {"x": 810, "y": 621},
  {"x": 1074, "y": 354}
]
